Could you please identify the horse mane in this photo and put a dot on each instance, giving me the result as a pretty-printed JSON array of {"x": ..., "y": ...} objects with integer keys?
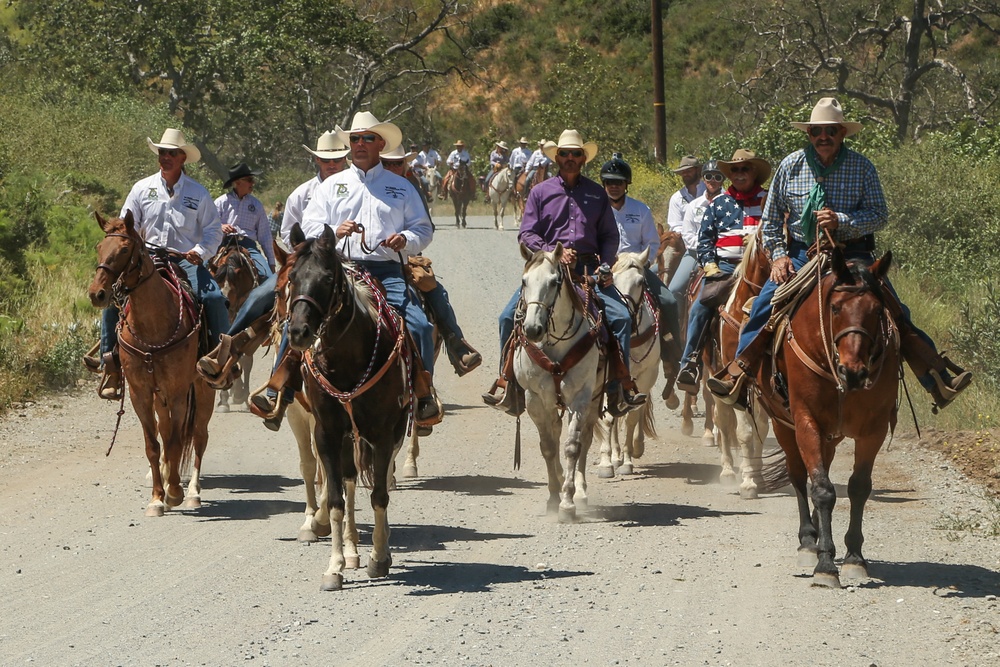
[
  {"x": 362, "y": 292},
  {"x": 628, "y": 260}
]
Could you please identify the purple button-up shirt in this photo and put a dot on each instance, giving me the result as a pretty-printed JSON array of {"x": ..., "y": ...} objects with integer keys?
[{"x": 580, "y": 217}]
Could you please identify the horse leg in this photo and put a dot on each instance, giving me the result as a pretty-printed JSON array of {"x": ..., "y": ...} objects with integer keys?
[
  {"x": 352, "y": 558},
  {"x": 586, "y": 440},
  {"x": 380, "y": 559},
  {"x": 170, "y": 419},
  {"x": 298, "y": 422},
  {"x": 223, "y": 405},
  {"x": 632, "y": 435},
  {"x": 859, "y": 488},
  {"x": 708, "y": 437},
  {"x": 203, "y": 399},
  {"x": 412, "y": 452},
  {"x": 687, "y": 414},
  {"x": 725, "y": 420},
  {"x": 571, "y": 454},
  {"x": 751, "y": 429},
  {"x": 824, "y": 497},
  {"x": 328, "y": 448},
  {"x": 797, "y": 474},
  {"x": 609, "y": 447},
  {"x": 144, "y": 411},
  {"x": 241, "y": 388},
  {"x": 549, "y": 426}
]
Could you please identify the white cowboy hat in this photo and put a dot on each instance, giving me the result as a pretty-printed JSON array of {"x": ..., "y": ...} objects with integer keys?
[
  {"x": 329, "y": 147},
  {"x": 761, "y": 167},
  {"x": 828, "y": 112},
  {"x": 396, "y": 154},
  {"x": 501, "y": 144},
  {"x": 522, "y": 140},
  {"x": 459, "y": 143},
  {"x": 570, "y": 139},
  {"x": 365, "y": 121},
  {"x": 175, "y": 139}
]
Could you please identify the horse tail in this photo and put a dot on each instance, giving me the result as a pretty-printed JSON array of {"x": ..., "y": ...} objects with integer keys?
[
  {"x": 775, "y": 472},
  {"x": 648, "y": 422},
  {"x": 187, "y": 430}
]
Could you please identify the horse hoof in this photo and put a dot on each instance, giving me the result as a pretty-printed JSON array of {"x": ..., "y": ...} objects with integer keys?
[
  {"x": 352, "y": 562},
  {"x": 625, "y": 469},
  {"x": 826, "y": 580},
  {"x": 410, "y": 471},
  {"x": 638, "y": 449},
  {"x": 806, "y": 558},
  {"x": 322, "y": 529},
  {"x": 854, "y": 571},
  {"x": 174, "y": 501},
  {"x": 567, "y": 515},
  {"x": 332, "y": 582},
  {"x": 154, "y": 509},
  {"x": 708, "y": 440},
  {"x": 728, "y": 479},
  {"x": 687, "y": 428},
  {"x": 222, "y": 407},
  {"x": 749, "y": 493},
  {"x": 192, "y": 503},
  {"x": 605, "y": 472},
  {"x": 306, "y": 536},
  {"x": 378, "y": 569}
]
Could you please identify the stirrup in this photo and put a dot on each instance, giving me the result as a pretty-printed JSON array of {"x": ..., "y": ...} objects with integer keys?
[
  {"x": 92, "y": 360},
  {"x": 111, "y": 388},
  {"x": 431, "y": 418},
  {"x": 727, "y": 391},
  {"x": 944, "y": 392}
]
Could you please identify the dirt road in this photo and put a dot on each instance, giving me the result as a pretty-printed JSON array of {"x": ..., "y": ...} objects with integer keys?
[{"x": 666, "y": 567}]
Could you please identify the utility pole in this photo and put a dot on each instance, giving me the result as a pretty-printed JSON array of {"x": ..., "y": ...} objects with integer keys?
[{"x": 659, "y": 111}]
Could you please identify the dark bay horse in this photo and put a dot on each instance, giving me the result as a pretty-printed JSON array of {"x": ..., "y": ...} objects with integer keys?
[
  {"x": 462, "y": 190},
  {"x": 357, "y": 382},
  {"x": 158, "y": 337},
  {"x": 838, "y": 362},
  {"x": 236, "y": 274}
]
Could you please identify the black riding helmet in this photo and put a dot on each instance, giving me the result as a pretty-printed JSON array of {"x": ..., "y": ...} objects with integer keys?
[
  {"x": 616, "y": 169},
  {"x": 710, "y": 167}
]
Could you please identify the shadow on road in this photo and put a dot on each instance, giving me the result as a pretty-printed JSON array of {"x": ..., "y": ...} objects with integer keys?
[
  {"x": 696, "y": 473},
  {"x": 435, "y": 578},
  {"x": 245, "y": 509},
  {"x": 948, "y": 580},
  {"x": 250, "y": 483},
  {"x": 412, "y": 537},
  {"x": 472, "y": 485},
  {"x": 655, "y": 514}
]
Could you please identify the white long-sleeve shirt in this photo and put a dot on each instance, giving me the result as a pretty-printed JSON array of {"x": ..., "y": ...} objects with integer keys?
[
  {"x": 248, "y": 216},
  {"x": 519, "y": 157},
  {"x": 693, "y": 216},
  {"x": 295, "y": 206},
  {"x": 382, "y": 202},
  {"x": 678, "y": 204},
  {"x": 537, "y": 160},
  {"x": 636, "y": 228},
  {"x": 456, "y": 157},
  {"x": 185, "y": 221}
]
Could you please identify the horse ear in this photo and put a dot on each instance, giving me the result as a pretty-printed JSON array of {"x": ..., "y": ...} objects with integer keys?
[
  {"x": 844, "y": 275},
  {"x": 102, "y": 223},
  {"x": 557, "y": 251},
  {"x": 644, "y": 256},
  {"x": 279, "y": 252},
  {"x": 296, "y": 236},
  {"x": 129, "y": 221},
  {"x": 525, "y": 253},
  {"x": 881, "y": 267}
]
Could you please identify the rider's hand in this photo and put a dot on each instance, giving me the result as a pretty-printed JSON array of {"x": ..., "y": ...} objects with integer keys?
[
  {"x": 568, "y": 256},
  {"x": 347, "y": 228},
  {"x": 229, "y": 229},
  {"x": 193, "y": 257},
  {"x": 396, "y": 242},
  {"x": 782, "y": 270},
  {"x": 827, "y": 219}
]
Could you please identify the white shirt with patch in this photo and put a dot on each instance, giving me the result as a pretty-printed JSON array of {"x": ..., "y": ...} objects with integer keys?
[
  {"x": 295, "y": 206},
  {"x": 183, "y": 221}
]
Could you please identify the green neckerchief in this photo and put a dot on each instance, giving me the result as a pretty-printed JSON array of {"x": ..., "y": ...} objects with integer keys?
[{"x": 817, "y": 196}]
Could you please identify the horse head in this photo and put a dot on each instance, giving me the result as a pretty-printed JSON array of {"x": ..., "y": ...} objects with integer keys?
[
  {"x": 858, "y": 320},
  {"x": 317, "y": 285},
  {"x": 120, "y": 256},
  {"x": 540, "y": 287}
]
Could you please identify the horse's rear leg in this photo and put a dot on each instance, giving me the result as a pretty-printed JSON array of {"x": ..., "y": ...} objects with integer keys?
[
  {"x": 412, "y": 452},
  {"x": 380, "y": 559},
  {"x": 687, "y": 414},
  {"x": 609, "y": 447},
  {"x": 203, "y": 399},
  {"x": 708, "y": 436},
  {"x": 725, "y": 420},
  {"x": 859, "y": 488}
]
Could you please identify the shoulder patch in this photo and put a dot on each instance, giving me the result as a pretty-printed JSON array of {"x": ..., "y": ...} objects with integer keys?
[
  {"x": 341, "y": 190},
  {"x": 152, "y": 195}
]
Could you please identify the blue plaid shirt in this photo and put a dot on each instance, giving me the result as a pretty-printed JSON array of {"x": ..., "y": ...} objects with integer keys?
[{"x": 853, "y": 191}]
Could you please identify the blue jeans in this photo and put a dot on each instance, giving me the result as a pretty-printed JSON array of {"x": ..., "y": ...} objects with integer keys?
[
  {"x": 669, "y": 311},
  {"x": 760, "y": 312},
  {"x": 682, "y": 276},
  {"x": 404, "y": 301},
  {"x": 616, "y": 314},
  {"x": 259, "y": 301},
  {"x": 437, "y": 300},
  {"x": 257, "y": 257},
  {"x": 208, "y": 294}
]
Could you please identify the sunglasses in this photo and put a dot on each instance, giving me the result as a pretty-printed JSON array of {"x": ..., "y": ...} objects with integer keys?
[
  {"x": 328, "y": 160},
  {"x": 715, "y": 177},
  {"x": 392, "y": 163},
  {"x": 367, "y": 138},
  {"x": 740, "y": 170},
  {"x": 172, "y": 152},
  {"x": 570, "y": 152},
  {"x": 817, "y": 131}
]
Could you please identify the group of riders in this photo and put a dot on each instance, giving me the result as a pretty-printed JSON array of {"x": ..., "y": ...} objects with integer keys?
[{"x": 376, "y": 204}]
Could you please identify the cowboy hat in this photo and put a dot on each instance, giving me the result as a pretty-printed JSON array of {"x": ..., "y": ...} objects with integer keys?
[
  {"x": 459, "y": 143},
  {"x": 828, "y": 112},
  {"x": 329, "y": 147},
  {"x": 236, "y": 172},
  {"x": 396, "y": 154},
  {"x": 522, "y": 140},
  {"x": 501, "y": 144},
  {"x": 175, "y": 139},
  {"x": 687, "y": 162},
  {"x": 570, "y": 139},
  {"x": 761, "y": 167},
  {"x": 365, "y": 121}
]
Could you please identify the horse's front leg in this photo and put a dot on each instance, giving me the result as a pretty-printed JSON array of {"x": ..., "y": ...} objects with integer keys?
[
  {"x": 328, "y": 447},
  {"x": 412, "y": 452},
  {"x": 751, "y": 429},
  {"x": 352, "y": 558},
  {"x": 797, "y": 473},
  {"x": 609, "y": 447},
  {"x": 549, "y": 426},
  {"x": 298, "y": 421},
  {"x": 586, "y": 439},
  {"x": 633, "y": 436},
  {"x": 725, "y": 419},
  {"x": 687, "y": 414},
  {"x": 144, "y": 411},
  {"x": 204, "y": 397},
  {"x": 859, "y": 489},
  {"x": 380, "y": 559},
  {"x": 809, "y": 437},
  {"x": 571, "y": 449},
  {"x": 170, "y": 416}
]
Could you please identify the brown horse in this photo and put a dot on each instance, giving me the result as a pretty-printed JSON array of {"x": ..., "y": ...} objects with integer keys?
[
  {"x": 158, "y": 337},
  {"x": 462, "y": 190},
  {"x": 522, "y": 188},
  {"x": 834, "y": 375},
  {"x": 236, "y": 274}
]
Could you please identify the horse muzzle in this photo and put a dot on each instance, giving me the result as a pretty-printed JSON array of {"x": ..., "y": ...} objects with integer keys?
[
  {"x": 99, "y": 298},
  {"x": 854, "y": 378},
  {"x": 301, "y": 336}
]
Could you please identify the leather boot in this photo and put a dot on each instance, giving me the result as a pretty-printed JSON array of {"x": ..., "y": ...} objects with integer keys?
[
  {"x": 619, "y": 373},
  {"x": 512, "y": 400},
  {"x": 271, "y": 410},
  {"x": 689, "y": 376},
  {"x": 92, "y": 360},
  {"x": 729, "y": 384},
  {"x": 112, "y": 384},
  {"x": 670, "y": 353},
  {"x": 462, "y": 355}
]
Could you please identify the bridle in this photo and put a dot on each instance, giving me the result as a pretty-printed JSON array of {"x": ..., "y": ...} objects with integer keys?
[
  {"x": 562, "y": 272},
  {"x": 119, "y": 288}
]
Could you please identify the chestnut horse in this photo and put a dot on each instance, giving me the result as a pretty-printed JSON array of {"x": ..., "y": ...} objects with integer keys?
[
  {"x": 522, "y": 188},
  {"x": 236, "y": 274},
  {"x": 158, "y": 339},
  {"x": 356, "y": 366},
  {"x": 835, "y": 375},
  {"x": 462, "y": 190}
]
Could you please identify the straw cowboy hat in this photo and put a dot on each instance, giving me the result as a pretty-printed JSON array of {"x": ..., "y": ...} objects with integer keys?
[
  {"x": 175, "y": 139},
  {"x": 397, "y": 154},
  {"x": 365, "y": 121},
  {"x": 828, "y": 112},
  {"x": 329, "y": 147},
  {"x": 687, "y": 162},
  {"x": 570, "y": 139},
  {"x": 501, "y": 144},
  {"x": 237, "y": 172},
  {"x": 761, "y": 167},
  {"x": 459, "y": 143},
  {"x": 522, "y": 140}
]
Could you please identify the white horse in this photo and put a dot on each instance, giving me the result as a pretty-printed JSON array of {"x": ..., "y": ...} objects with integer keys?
[
  {"x": 555, "y": 320},
  {"x": 500, "y": 191},
  {"x": 433, "y": 179},
  {"x": 630, "y": 280}
]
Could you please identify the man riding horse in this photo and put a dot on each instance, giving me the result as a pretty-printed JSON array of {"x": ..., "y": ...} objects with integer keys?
[
  {"x": 243, "y": 214},
  {"x": 844, "y": 199},
  {"x": 498, "y": 160},
  {"x": 575, "y": 211},
  {"x": 174, "y": 212},
  {"x": 458, "y": 157}
]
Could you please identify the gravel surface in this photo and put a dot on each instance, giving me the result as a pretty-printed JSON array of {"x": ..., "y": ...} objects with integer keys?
[{"x": 665, "y": 567}]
